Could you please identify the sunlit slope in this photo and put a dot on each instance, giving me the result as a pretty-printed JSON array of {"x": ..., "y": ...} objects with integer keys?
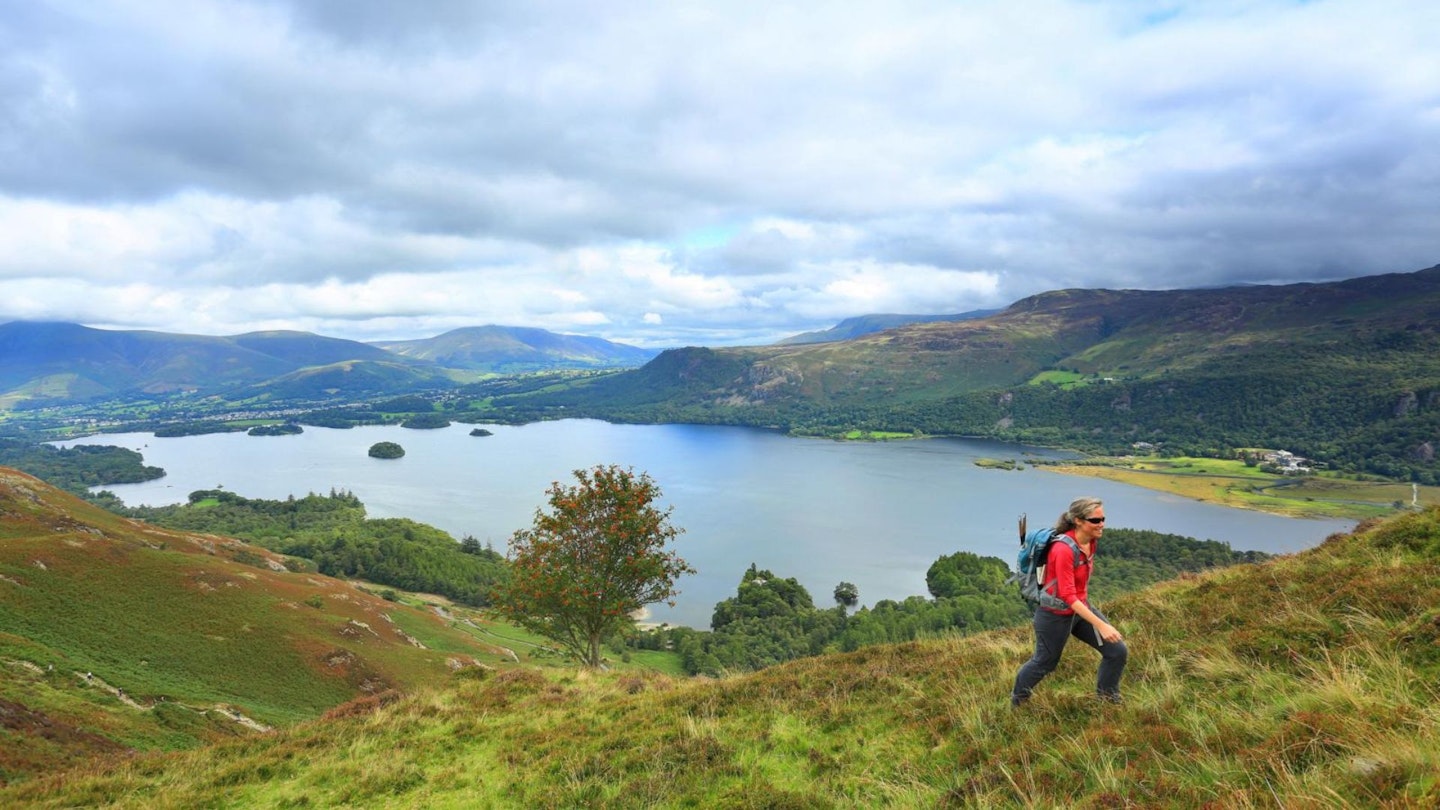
[
  {"x": 1307, "y": 681},
  {"x": 117, "y": 635},
  {"x": 1136, "y": 336}
]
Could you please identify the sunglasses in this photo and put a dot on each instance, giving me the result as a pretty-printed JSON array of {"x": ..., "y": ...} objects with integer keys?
[{"x": 1094, "y": 521}]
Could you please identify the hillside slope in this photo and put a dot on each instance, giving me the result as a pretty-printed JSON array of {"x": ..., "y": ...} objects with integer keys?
[
  {"x": 65, "y": 361},
  {"x": 116, "y": 635},
  {"x": 1306, "y": 681},
  {"x": 1115, "y": 334},
  {"x": 869, "y": 324},
  {"x": 1346, "y": 372},
  {"x": 512, "y": 349}
]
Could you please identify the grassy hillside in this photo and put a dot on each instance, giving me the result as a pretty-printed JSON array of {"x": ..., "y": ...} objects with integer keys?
[
  {"x": 1306, "y": 681},
  {"x": 117, "y": 636}
]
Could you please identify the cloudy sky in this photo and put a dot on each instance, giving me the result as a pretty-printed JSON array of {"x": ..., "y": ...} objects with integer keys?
[{"x": 683, "y": 173}]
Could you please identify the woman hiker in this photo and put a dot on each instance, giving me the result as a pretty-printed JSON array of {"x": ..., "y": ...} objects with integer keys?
[{"x": 1083, "y": 523}]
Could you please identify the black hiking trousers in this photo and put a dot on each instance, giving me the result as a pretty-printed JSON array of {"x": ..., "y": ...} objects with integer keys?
[{"x": 1052, "y": 631}]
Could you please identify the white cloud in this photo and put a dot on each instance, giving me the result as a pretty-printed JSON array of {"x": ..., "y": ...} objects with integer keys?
[{"x": 696, "y": 172}]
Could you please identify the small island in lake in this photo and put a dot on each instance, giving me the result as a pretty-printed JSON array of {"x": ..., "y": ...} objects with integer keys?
[
  {"x": 288, "y": 429},
  {"x": 481, "y": 432},
  {"x": 386, "y": 450},
  {"x": 998, "y": 464},
  {"x": 426, "y": 421}
]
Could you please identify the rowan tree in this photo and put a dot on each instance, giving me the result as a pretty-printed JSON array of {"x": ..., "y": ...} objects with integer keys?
[{"x": 589, "y": 563}]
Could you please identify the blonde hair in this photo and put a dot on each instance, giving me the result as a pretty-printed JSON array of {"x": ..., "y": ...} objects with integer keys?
[{"x": 1080, "y": 508}]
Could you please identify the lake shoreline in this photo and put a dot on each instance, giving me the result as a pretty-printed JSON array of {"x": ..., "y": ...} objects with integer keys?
[
  {"x": 873, "y": 513},
  {"x": 1243, "y": 492}
]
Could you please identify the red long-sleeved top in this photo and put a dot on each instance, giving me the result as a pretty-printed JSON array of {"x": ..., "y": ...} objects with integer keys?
[{"x": 1072, "y": 582}]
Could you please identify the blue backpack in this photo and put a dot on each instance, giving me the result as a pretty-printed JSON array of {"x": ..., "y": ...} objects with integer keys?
[{"x": 1030, "y": 566}]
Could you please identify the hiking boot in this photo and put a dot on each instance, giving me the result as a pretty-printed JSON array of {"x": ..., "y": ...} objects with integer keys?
[{"x": 1109, "y": 697}]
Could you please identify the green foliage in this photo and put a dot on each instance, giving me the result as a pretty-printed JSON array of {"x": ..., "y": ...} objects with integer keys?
[
  {"x": 76, "y": 469},
  {"x": 762, "y": 595},
  {"x": 967, "y": 574},
  {"x": 847, "y": 594},
  {"x": 333, "y": 533},
  {"x": 586, "y": 566},
  {"x": 287, "y": 429},
  {"x": 194, "y": 428},
  {"x": 386, "y": 450},
  {"x": 1131, "y": 559},
  {"x": 407, "y": 404},
  {"x": 772, "y": 619},
  {"x": 426, "y": 421},
  {"x": 916, "y": 617},
  {"x": 342, "y": 418}
]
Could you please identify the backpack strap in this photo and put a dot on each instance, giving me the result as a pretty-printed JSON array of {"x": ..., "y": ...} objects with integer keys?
[
  {"x": 1048, "y": 599},
  {"x": 1065, "y": 538}
]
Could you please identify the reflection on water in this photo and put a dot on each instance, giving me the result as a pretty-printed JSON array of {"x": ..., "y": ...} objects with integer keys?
[{"x": 875, "y": 514}]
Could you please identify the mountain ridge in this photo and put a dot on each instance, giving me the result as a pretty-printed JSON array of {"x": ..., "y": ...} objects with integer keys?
[
  {"x": 513, "y": 349},
  {"x": 1328, "y": 370},
  {"x": 52, "y": 361},
  {"x": 879, "y": 322}
]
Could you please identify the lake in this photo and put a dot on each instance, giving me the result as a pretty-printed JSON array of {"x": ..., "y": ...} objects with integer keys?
[{"x": 874, "y": 514}]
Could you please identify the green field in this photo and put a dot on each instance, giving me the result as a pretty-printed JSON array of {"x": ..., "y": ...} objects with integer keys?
[
  {"x": 875, "y": 435},
  {"x": 1232, "y": 483},
  {"x": 1064, "y": 379}
]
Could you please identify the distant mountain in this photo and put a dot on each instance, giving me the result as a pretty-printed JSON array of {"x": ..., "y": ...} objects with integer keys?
[
  {"x": 1347, "y": 371},
  {"x": 308, "y": 349},
  {"x": 513, "y": 349},
  {"x": 69, "y": 361},
  {"x": 66, "y": 361},
  {"x": 869, "y": 324},
  {"x": 60, "y": 362},
  {"x": 1106, "y": 334}
]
